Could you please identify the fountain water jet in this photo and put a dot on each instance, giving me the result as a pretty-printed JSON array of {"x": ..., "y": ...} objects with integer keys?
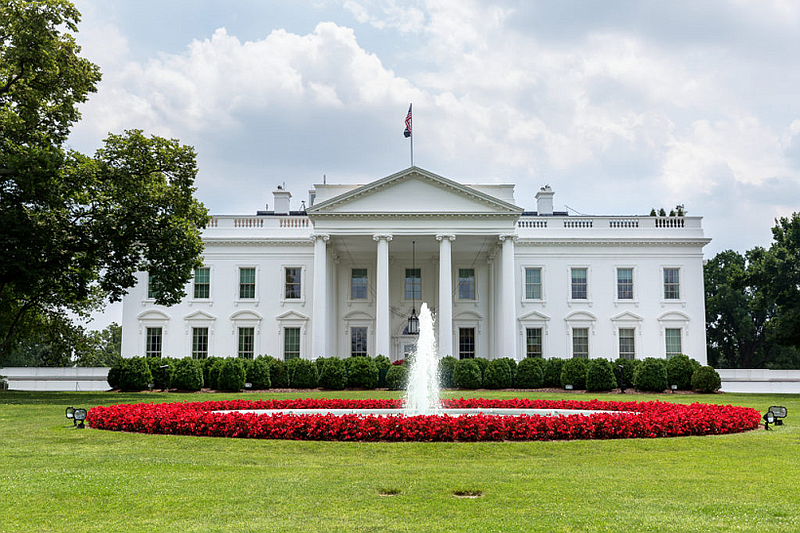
[{"x": 422, "y": 392}]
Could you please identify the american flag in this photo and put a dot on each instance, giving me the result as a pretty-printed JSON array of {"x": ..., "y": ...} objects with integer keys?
[{"x": 407, "y": 133}]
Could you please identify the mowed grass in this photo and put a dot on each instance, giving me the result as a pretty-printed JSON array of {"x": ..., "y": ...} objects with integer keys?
[{"x": 55, "y": 478}]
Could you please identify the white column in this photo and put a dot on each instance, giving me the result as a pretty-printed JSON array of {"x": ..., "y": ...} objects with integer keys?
[
  {"x": 507, "y": 304},
  {"x": 382, "y": 333},
  {"x": 319, "y": 342},
  {"x": 445, "y": 315}
]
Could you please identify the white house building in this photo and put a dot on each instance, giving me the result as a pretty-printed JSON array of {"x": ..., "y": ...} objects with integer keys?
[{"x": 342, "y": 277}]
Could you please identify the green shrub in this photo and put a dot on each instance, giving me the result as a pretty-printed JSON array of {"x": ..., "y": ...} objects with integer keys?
[
  {"x": 706, "y": 379},
  {"x": 362, "y": 373},
  {"x": 160, "y": 374},
  {"x": 530, "y": 373},
  {"x": 135, "y": 375},
  {"x": 629, "y": 367},
  {"x": 651, "y": 375},
  {"x": 497, "y": 375},
  {"x": 302, "y": 374},
  {"x": 333, "y": 374},
  {"x": 115, "y": 373},
  {"x": 574, "y": 373},
  {"x": 552, "y": 372},
  {"x": 257, "y": 374},
  {"x": 679, "y": 371},
  {"x": 278, "y": 374},
  {"x": 600, "y": 375},
  {"x": 247, "y": 364},
  {"x": 446, "y": 366},
  {"x": 186, "y": 374},
  {"x": 382, "y": 363},
  {"x": 512, "y": 366},
  {"x": 396, "y": 377},
  {"x": 483, "y": 364},
  {"x": 231, "y": 375},
  {"x": 467, "y": 374},
  {"x": 209, "y": 377}
]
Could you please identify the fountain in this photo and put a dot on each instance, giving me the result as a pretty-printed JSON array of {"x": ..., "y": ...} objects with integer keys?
[{"x": 422, "y": 392}]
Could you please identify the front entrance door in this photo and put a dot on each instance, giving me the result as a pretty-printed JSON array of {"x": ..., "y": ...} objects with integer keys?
[{"x": 404, "y": 345}]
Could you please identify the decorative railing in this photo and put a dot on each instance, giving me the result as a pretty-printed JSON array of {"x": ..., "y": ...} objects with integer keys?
[
  {"x": 608, "y": 223},
  {"x": 259, "y": 222}
]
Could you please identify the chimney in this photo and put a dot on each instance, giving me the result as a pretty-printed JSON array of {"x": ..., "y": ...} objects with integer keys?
[
  {"x": 281, "y": 200},
  {"x": 544, "y": 201}
]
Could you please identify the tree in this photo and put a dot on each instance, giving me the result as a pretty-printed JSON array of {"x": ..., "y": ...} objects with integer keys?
[
  {"x": 100, "y": 348},
  {"x": 78, "y": 228}
]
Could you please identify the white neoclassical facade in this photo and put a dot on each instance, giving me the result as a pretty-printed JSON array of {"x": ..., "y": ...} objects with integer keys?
[{"x": 341, "y": 278}]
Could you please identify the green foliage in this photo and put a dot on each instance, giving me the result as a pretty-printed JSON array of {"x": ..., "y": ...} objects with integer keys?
[
  {"x": 382, "y": 363},
  {"x": 187, "y": 374},
  {"x": 278, "y": 373},
  {"x": 77, "y": 228},
  {"x": 600, "y": 375},
  {"x": 497, "y": 375},
  {"x": 651, "y": 375},
  {"x": 706, "y": 379},
  {"x": 361, "y": 373},
  {"x": 483, "y": 364},
  {"x": 135, "y": 374},
  {"x": 512, "y": 366},
  {"x": 257, "y": 374},
  {"x": 302, "y": 374},
  {"x": 628, "y": 369},
  {"x": 679, "y": 371},
  {"x": 211, "y": 366},
  {"x": 467, "y": 374},
  {"x": 446, "y": 366},
  {"x": 552, "y": 372},
  {"x": 231, "y": 375},
  {"x": 115, "y": 374},
  {"x": 333, "y": 374},
  {"x": 396, "y": 377},
  {"x": 100, "y": 348},
  {"x": 160, "y": 370},
  {"x": 574, "y": 373},
  {"x": 530, "y": 373}
]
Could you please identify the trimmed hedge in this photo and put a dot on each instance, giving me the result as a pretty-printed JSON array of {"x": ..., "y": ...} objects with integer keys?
[
  {"x": 278, "y": 373},
  {"x": 629, "y": 367},
  {"x": 651, "y": 375},
  {"x": 382, "y": 363},
  {"x": 333, "y": 374},
  {"x": 210, "y": 372},
  {"x": 706, "y": 379},
  {"x": 600, "y": 375},
  {"x": 187, "y": 374},
  {"x": 467, "y": 374},
  {"x": 483, "y": 364},
  {"x": 361, "y": 373},
  {"x": 497, "y": 375},
  {"x": 447, "y": 365},
  {"x": 134, "y": 374},
  {"x": 574, "y": 373},
  {"x": 680, "y": 369},
  {"x": 552, "y": 372},
  {"x": 161, "y": 376},
  {"x": 231, "y": 375},
  {"x": 396, "y": 377},
  {"x": 257, "y": 374},
  {"x": 530, "y": 373},
  {"x": 302, "y": 374}
]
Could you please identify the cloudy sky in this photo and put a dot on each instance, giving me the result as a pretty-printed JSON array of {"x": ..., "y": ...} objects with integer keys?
[{"x": 619, "y": 106}]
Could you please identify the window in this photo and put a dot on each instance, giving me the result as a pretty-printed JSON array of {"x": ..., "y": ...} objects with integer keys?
[
  {"x": 627, "y": 343},
  {"x": 580, "y": 343},
  {"x": 413, "y": 284},
  {"x": 358, "y": 341},
  {"x": 291, "y": 343},
  {"x": 672, "y": 285},
  {"x": 293, "y": 284},
  {"x": 152, "y": 285},
  {"x": 202, "y": 282},
  {"x": 578, "y": 278},
  {"x": 533, "y": 342},
  {"x": 466, "y": 343},
  {"x": 533, "y": 283},
  {"x": 246, "y": 343},
  {"x": 199, "y": 343},
  {"x": 673, "y": 341},
  {"x": 247, "y": 283},
  {"x": 466, "y": 283},
  {"x": 153, "y": 342},
  {"x": 358, "y": 284},
  {"x": 625, "y": 284}
]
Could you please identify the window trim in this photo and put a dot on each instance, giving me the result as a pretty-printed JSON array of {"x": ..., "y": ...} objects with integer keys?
[
  {"x": 352, "y": 329},
  {"x": 679, "y": 299},
  {"x": 580, "y": 319},
  {"x": 292, "y": 319},
  {"x": 673, "y": 320},
  {"x": 199, "y": 319},
  {"x": 588, "y": 299},
  {"x": 421, "y": 288},
  {"x": 250, "y": 301},
  {"x": 350, "y": 300},
  {"x": 680, "y": 330},
  {"x": 541, "y": 342},
  {"x": 303, "y": 282},
  {"x": 474, "y": 340},
  {"x": 524, "y": 275},
  {"x": 194, "y": 285},
  {"x": 457, "y": 283},
  {"x": 193, "y": 329},
  {"x": 534, "y": 319},
  {"x": 634, "y": 286},
  {"x": 299, "y": 341},
  {"x": 147, "y": 352},
  {"x": 619, "y": 339},
  {"x": 572, "y": 330}
]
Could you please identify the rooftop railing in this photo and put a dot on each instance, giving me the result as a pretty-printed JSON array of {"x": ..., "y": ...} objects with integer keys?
[
  {"x": 257, "y": 222},
  {"x": 608, "y": 222}
]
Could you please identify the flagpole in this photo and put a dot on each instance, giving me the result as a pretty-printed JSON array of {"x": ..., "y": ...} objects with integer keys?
[
  {"x": 409, "y": 132},
  {"x": 412, "y": 147}
]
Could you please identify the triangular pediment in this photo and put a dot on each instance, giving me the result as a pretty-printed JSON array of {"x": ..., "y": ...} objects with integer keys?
[
  {"x": 414, "y": 191},
  {"x": 626, "y": 316},
  {"x": 534, "y": 315},
  {"x": 291, "y": 315}
]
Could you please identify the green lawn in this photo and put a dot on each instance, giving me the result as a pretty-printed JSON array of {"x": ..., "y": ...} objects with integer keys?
[{"x": 55, "y": 478}]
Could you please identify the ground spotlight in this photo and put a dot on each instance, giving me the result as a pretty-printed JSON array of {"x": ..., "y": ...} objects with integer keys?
[
  {"x": 70, "y": 413},
  {"x": 769, "y": 418},
  {"x": 79, "y": 415},
  {"x": 779, "y": 413}
]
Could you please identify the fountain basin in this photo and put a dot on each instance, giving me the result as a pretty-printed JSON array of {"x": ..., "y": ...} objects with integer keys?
[{"x": 499, "y": 411}]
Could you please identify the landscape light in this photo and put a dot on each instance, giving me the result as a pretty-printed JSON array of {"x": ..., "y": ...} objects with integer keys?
[
  {"x": 69, "y": 413},
  {"x": 568, "y": 387},
  {"x": 674, "y": 388},
  {"x": 769, "y": 418},
  {"x": 79, "y": 416},
  {"x": 778, "y": 412}
]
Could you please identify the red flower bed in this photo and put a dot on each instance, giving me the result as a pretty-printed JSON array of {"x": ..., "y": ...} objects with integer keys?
[{"x": 634, "y": 420}]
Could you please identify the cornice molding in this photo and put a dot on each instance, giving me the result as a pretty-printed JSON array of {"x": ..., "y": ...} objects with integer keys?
[
  {"x": 259, "y": 242},
  {"x": 612, "y": 242}
]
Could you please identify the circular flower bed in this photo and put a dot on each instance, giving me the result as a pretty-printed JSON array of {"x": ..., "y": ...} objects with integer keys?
[{"x": 634, "y": 420}]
